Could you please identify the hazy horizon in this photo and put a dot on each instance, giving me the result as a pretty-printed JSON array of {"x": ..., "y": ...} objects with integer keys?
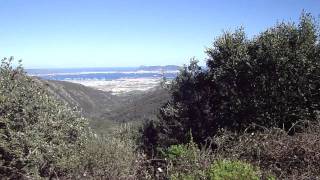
[
  {"x": 100, "y": 67},
  {"x": 130, "y": 33}
]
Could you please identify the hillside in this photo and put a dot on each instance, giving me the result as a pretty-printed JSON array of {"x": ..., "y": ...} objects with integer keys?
[
  {"x": 103, "y": 108},
  {"x": 139, "y": 105},
  {"x": 91, "y": 102}
]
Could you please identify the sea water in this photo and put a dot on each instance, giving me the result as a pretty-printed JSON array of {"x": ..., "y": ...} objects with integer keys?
[{"x": 115, "y": 80}]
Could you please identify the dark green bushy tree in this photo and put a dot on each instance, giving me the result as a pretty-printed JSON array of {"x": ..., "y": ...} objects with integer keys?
[
  {"x": 271, "y": 80},
  {"x": 187, "y": 111}
]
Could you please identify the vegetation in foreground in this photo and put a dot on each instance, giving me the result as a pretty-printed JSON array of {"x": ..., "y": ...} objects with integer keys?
[
  {"x": 253, "y": 113},
  {"x": 43, "y": 138},
  {"x": 257, "y": 85}
]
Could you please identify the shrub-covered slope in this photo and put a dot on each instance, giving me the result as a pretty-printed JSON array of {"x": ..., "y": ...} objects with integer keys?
[
  {"x": 91, "y": 102},
  {"x": 42, "y": 138},
  {"x": 104, "y": 109},
  {"x": 38, "y": 135},
  {"x": 139, "y": 106}
]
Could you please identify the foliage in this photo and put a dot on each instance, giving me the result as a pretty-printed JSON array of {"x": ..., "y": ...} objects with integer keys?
[
  {"x": 42, "y": 138},
  {"x": 271, "y": 80},
  {"x": 222, "y": 169},
  {"x": 237, "y": 170},
  {"x": 188, "y": 153},
  {"x": 176, "y": 151},
  {"x": 188, "y": 176},
  {"x": 275, "y": 152},
  {"x": 187, "y": 161},
  {"x": 112, "y": 156},
  {"x": 38, "y": 134}
]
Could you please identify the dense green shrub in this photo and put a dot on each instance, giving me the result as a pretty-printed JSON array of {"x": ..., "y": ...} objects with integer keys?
[
  {"x": 220, "y": 170},
  {"x": 237, "y": 170},
  {"x": 38, "y": 135},
  {"x": 187, "y": 154},
  {"x": 176, "y": 151},
  {"x": 271, "y": 80},
  {"x": 187, "y": 161}
]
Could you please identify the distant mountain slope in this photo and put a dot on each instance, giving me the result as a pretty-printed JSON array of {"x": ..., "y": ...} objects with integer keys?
[
  {"x": 90, "y": 101},
  {"x": 139, "y": 106},
  {"x": 103, "y": 107}
]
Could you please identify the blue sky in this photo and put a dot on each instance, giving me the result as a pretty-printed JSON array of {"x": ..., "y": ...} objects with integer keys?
[{"x": 103, "y": 33}]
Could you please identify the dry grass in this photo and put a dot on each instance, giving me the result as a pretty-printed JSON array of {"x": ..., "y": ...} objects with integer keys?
[{"x": 274, "y": 151}]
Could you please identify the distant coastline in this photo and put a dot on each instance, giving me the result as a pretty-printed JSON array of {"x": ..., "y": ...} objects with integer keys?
[
  {"x": 114, "y": 80},
  {"x": 67, "y": 74}
]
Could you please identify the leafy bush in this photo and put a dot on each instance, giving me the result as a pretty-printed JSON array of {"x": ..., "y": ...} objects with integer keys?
[
  {"x": 176, "y": 151},
  {"x": 271, "y": 80},
  {"x": 38, "y": 135},
  {"x": 220, "y": 169},
  {"x": 237, "y": 170},
  {"x": 188, "y": 161}
]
